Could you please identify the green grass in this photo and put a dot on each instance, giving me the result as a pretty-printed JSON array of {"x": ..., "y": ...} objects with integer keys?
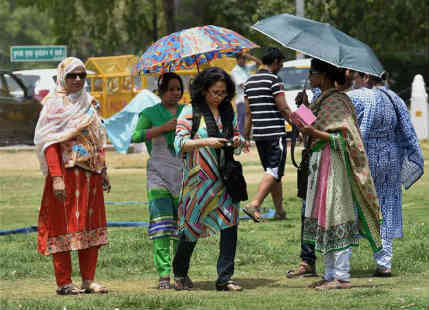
[{"x": 265, "y": 252}]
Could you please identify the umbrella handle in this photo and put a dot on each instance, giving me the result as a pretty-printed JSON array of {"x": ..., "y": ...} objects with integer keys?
[{"x": 196, "y": 62}]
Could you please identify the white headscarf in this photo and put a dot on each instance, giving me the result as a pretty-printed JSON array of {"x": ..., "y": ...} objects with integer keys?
[{"x": 63, "y": 115}]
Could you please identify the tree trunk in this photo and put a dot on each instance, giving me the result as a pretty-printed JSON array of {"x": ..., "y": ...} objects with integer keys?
[
  {"x": 169, "y": 7},
  {"x": 154, "y": 21}
]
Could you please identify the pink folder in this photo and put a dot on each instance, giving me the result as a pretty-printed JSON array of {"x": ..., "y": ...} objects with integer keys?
[{"x": 304, "y": 114}]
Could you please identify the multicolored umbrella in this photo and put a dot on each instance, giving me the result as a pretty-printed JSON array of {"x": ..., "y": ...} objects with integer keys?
[{"x": 194, "y": 46}]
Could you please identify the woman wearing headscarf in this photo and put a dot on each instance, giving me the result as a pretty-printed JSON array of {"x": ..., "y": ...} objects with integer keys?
[
  {"x": 205, "y": 206},
  {"x": 157, "y": 128},
  {"x": 70, "y": 141},
  {"x": 341, "y": 202}
]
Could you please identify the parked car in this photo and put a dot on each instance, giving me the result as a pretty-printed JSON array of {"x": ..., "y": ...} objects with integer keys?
[
  {"x": 294, "y": 75},
  {"x": 19, "y": 111},
  {"x": 41, "y": 80}
]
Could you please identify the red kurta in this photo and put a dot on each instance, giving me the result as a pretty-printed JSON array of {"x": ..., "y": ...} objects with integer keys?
[{"x": 80, "y": 221}]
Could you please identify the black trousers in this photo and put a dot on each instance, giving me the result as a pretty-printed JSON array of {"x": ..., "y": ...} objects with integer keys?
[
  {"x": 307, "y": 250},
  {"x": 225, "y": 262}
]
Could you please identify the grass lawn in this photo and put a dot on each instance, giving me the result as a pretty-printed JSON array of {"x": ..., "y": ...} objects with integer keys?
[{"x": 265, "y": 252}]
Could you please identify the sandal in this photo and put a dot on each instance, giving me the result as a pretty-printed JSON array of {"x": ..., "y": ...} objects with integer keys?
[
  {"x": 69, "y": 289},
  {"x": 189, "y": 282},
  {"x": 334, "y": 285},
  {"x": 181, "y": 284},
  {"x": 164, "y": 283},
  {"x": 91, "y": 287},
  {"x": 382, "y": 272},
  {"x": 280, "y": 215},
  {"x": 304, "y": 270},
  {"x": 253, "y": 213},
  {"x": 318, "y": 283},
  {"x": 229, "y": 286}
]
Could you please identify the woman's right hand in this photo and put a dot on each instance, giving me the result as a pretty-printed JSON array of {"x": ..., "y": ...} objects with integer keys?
[
  {"x": 59, "y": 188},
  {"x": 170, "y": 125},
  {"x": 216, "y": 143}
]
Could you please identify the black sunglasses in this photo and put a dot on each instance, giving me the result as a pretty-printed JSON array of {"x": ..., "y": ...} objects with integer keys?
[{"x": 73, "y": 76}]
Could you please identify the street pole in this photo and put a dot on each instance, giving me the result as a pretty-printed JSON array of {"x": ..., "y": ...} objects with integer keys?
[{"x": 299, "y": 4}]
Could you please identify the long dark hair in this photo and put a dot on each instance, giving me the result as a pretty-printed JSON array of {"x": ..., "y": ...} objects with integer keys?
[
  {"x": 200, "y": 85},
  {"x": 164, "y": 79}
]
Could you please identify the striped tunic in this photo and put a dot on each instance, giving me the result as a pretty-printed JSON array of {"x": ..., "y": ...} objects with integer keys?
[
  {"x": 260, "y": 90},
  {"x": 205, "y": 207}
]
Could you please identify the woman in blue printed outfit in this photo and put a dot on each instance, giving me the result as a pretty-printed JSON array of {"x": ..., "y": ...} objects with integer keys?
[{"x": 394, "y": 155}]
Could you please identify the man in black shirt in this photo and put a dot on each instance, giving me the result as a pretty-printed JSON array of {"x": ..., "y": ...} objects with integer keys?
[{"x": 266, "y": 111}]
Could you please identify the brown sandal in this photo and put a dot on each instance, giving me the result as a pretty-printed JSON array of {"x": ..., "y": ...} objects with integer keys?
[
  {"x": 93, "y": 287},
  {"x": 181, "y": 283},
  {"x": 229, "y": 286},
  {"x": 333, "y": 285},
  {"x": 280, "y": 215},
  {"x": 304, "y": 270},
  {"x": 189, "y": 282},
  {"x": 318, "y": 283},
  {"x": 253, "y": 213},
  {"x": 69, "y": 289}
]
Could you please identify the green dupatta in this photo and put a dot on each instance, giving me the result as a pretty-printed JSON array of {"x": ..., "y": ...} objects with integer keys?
[{"x": 335, "y": 114}]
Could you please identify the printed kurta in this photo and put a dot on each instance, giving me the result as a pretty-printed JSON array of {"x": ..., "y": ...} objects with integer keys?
[
  {"x": 394, "y": 154},
  {"x": 164, "y": 171},
  {"x": 69, "y": 140},
  {"x": 80, "y": 221},
  {"x": 341, "y": 199},
  {"x": 205, "y": 207}
]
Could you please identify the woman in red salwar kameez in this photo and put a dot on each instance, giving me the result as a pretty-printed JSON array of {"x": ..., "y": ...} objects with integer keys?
[{"x": 69, "y": 141}]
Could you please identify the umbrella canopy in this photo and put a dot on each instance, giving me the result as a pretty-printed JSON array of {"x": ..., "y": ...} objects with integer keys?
[
  {"x": 194, "y": 46},
  {"x": 322, "y": 41}
]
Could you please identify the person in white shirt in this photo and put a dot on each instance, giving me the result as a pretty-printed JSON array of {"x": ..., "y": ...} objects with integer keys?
[{"x": 240, "y": 73}]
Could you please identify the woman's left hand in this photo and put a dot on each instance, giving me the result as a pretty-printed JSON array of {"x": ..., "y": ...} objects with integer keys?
[
  {"x": 236, "y": 141},
  {"x": 106, "y": 182},
  {"x": 307, "y": 130}
]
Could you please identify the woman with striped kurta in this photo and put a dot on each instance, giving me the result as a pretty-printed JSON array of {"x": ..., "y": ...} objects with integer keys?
[
  {"x": 205, "y": 206},
  {"x": 156, "y": 127}
]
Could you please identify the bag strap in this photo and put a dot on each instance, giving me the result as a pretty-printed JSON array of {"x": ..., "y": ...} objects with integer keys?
[
  {"x": 196, "y": 120},
  {"x": 391, "y": 101}
]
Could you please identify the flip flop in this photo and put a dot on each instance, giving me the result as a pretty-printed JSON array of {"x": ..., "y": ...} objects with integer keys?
[{"x": 251, "y": 212}]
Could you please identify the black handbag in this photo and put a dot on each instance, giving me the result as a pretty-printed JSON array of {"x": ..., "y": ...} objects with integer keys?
[
  {"x": 232, "y": 176},
  {"x": 231, "y": 170},
  {"x": 304, "y": 165},
  {"x": 303, "y": 172}
]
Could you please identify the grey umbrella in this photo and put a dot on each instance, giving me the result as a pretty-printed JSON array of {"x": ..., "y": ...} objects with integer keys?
[{"x": 322, "y": 41}]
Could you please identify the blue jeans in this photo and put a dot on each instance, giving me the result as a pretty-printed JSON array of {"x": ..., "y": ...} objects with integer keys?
[{"x": 307, "y": 250}]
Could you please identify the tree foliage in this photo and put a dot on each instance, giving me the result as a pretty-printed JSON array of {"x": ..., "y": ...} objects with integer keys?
[
  {"x": 22, "y": 26},
  {"x": 95, "y": 28}
]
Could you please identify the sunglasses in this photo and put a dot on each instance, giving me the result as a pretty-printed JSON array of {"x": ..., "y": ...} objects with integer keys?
[{"x": 73, "y": 76}]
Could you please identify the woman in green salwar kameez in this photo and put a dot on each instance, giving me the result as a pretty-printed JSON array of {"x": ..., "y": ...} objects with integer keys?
[
  {"x": 156, "y": 127},
  {"x": 341, "y": 202}
]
